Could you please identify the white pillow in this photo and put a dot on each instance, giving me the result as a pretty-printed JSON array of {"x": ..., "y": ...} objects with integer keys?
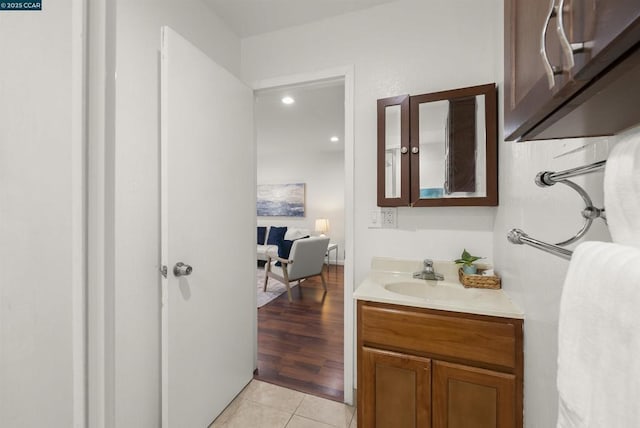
[{"x": 293, "y": 234}]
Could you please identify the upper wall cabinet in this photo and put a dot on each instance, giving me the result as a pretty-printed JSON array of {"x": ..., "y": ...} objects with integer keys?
[
  {"x": 572, "y": 68},
  {"x": 438, "y": 149}
]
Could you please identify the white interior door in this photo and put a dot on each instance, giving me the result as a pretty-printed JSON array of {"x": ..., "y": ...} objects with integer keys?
[{"x": 208, "y": 222}]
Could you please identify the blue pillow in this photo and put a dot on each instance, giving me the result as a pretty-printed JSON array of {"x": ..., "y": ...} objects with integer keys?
[
  {"x": 284, "y": 249},
  {"x": 276, "y": 235},
  {"x": 262, "y": 234}
]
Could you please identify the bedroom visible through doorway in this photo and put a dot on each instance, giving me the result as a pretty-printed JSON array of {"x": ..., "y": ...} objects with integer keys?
[{"x": 300, "y": 134}]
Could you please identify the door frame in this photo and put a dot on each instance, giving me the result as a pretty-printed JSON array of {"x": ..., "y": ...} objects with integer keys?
[
  {"x": 346, "y": 73},
  {"x": 100, "y": 86},
  {"x": 79, "y": 217}
]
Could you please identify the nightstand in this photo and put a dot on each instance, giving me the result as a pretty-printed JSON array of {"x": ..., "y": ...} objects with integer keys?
[{"x": 332, "y": 247}]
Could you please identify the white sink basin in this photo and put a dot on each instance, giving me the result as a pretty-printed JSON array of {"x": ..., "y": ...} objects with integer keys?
[
  {"x": 432, "y": 290},
  {"x": 391, "y": 281}
]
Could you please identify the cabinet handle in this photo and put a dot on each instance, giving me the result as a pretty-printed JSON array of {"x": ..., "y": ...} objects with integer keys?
[
  {"x": 404, "y": 150},
  {"x": 564, "y": 41},
  {"x": 415, "y": 150},
  {"x": 550, "y": 70},
  {"x": 568, "y": 48},
  {"x": 569, "y": 63}
]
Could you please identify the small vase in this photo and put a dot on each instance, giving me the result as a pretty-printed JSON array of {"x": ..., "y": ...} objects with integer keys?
[{"x": 469, "y": 269}]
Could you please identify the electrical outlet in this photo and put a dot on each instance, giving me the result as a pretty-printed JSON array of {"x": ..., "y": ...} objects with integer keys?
[
  {"x": 375, "y": 218},
  {"x": 389, "y": 216}
]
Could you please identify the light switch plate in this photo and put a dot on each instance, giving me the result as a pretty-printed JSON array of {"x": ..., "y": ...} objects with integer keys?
[{"x": 375, "y": 218}]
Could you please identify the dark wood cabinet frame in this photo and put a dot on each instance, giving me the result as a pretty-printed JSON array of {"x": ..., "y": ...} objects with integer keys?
[
  {"x": 403, "y": 102},
  {"x": 410, "y": 162},
  {"x": 491, "y": 142},
  {"x": 597, "y": 97}
]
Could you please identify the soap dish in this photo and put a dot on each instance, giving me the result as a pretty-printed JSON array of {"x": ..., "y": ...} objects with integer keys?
[{"x": 479, "y": 281}]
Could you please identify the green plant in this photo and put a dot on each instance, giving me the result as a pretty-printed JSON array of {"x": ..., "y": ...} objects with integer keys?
[{"x": 467, "y": 259}]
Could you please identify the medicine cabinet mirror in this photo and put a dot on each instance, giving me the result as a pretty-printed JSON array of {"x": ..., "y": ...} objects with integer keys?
[{"x": 438, "y": 149}]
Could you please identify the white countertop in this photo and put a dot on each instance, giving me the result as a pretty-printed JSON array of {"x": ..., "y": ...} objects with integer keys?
[{"x": 447, "y": 295}]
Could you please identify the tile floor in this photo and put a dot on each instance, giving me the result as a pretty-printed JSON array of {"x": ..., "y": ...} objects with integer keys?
[{"x": 263, "y": 405}]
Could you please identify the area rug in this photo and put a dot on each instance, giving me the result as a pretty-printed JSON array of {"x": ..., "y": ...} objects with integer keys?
[{"x": 274, "y": 288}]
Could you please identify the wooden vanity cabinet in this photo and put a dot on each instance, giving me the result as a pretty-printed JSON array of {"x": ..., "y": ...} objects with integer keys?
[
  {"x": 399, "y": 393},
  {"x": 427, "y": 368},
  {"x": 595, "y": 96},
  {"x": 465, "y": 397}
]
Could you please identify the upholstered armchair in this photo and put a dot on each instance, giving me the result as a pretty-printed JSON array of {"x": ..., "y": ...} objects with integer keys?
[{"x": 306, "y": 260}]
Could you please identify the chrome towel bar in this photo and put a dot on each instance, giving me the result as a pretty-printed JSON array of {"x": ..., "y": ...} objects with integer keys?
[
  {"x": 517, "y": 236},
  {"x": 548, "y": 178},
  {"x": 589, "y": 213}
]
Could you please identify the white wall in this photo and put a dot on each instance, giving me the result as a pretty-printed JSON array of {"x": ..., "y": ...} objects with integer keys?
[
  {"x": 323, "y": 175},
  {"x": 137, "y": 206},
  {"x": 40, "y": 216},
  {"x": 531, "y": 277},
  {"x": 409, "y": 46}
]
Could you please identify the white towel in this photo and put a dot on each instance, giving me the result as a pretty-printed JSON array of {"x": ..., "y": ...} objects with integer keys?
[
  {"x": 599, "y": 338},
  {"x": 622, "y": 192}
]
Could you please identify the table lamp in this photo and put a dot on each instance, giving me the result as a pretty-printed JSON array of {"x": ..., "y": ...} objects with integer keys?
[{"x": 322, "y": 226}]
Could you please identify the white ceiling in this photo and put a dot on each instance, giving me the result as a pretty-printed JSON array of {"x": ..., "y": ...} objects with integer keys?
[
  {"x": 251, "y": 17},
  {"x": 306, "y": 125}
]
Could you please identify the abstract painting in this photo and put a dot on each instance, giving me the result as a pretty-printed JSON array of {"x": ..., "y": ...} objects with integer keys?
[{"x": 285, "y": 200}]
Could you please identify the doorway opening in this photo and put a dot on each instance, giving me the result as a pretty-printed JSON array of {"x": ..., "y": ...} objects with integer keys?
[{"x": 302, "y": 137}]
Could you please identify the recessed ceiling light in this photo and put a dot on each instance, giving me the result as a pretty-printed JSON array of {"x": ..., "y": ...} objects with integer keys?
[
  {"x": 335, "y": 139},
  {"x": 288, "y": 100}
]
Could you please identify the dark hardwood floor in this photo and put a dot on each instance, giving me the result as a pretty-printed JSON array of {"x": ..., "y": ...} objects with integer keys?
[{"x": 300, "y": 344}]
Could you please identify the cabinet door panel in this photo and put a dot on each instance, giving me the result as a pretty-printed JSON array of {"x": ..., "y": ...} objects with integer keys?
[
  {"x": 468, "y": 397},
  {"x": 608, "y": 27},
  {"x": 395, "y": 391},
  {"x": 527, "y": 91},
  {"x": 528, "y": 19},
  {"x": 393, "y": 151},
  {"x": 609, "y": 31}
]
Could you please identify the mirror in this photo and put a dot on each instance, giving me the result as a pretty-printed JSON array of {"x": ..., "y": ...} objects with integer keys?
[
  {"x": 454, "y": 147},
  {"x": 449, "y": 133},
  {"x": 393, "y": 149}
]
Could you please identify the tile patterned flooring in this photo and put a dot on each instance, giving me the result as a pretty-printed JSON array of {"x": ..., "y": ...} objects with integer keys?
[{"x": 263, "y": 405}]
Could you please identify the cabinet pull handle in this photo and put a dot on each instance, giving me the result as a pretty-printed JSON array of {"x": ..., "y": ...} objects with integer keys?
[
  {"x": 550, "y": 70},
  {"x": 569, "y": 49},
  {"x": 404, "y": 150}
]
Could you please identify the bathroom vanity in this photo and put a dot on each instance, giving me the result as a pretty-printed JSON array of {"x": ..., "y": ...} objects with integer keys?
[{"x": 434, "y": 354}]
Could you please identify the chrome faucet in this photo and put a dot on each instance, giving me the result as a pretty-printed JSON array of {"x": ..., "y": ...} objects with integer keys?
[{"x": 428, "y": 273}]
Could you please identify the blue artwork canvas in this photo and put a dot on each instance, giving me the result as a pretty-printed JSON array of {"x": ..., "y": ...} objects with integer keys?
[{"x": 285, "y": 200}]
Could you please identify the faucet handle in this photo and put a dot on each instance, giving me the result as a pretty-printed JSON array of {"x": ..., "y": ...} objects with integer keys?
[{"x": 428, "y": 266}]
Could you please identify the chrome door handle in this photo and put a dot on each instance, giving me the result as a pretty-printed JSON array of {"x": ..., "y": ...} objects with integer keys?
[{"x": 181, "y": 269}]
